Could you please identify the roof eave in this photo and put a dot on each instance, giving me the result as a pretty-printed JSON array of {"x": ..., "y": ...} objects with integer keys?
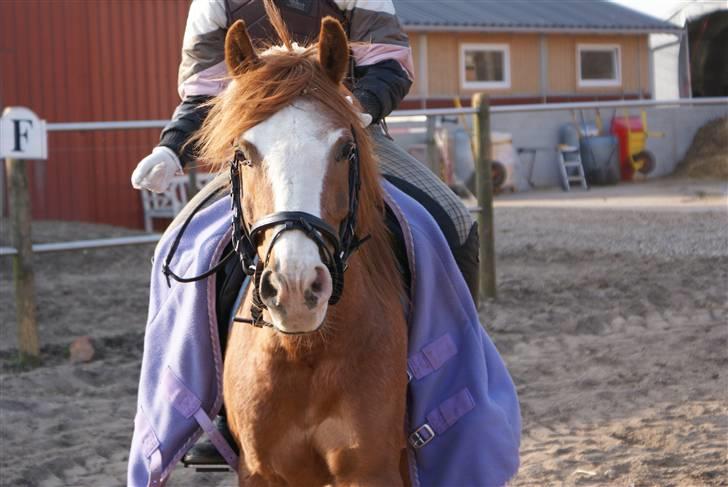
[{"x": 539, "y": 30}]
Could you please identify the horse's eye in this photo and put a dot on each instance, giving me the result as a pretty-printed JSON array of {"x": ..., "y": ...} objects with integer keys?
[
  {"x": 242, "y": 158},
  {"x": 345, "y": 151}
]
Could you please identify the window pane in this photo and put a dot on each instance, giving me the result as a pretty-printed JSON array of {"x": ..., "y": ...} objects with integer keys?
[
  {"x": 598, "y": 65},
  {"x": 484, "y": 66}
]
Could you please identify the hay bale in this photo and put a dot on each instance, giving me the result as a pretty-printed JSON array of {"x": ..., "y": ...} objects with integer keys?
[{"x": 707, "y": 157}]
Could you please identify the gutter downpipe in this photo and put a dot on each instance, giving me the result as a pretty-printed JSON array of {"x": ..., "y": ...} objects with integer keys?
[
  {"x": 544, "y": 67},
  {"x": 688, "y": 61},
  {"x": 651, "y": 69},
  {"x": 639, "y": 68},
  {"x": 423, "y": 68}
]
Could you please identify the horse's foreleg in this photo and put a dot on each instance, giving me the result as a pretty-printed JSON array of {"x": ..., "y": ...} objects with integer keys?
[
  {"x": 255, "y": 480},
  {"x": 387, "y": 478},
  {"x": 365, "y": 467},
  {"x": 404, "y": 468}
]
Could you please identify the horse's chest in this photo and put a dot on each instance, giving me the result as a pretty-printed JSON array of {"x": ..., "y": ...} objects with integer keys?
[
  {"x": 294, "y": 418},
  {"x": 298, "y": 399}
]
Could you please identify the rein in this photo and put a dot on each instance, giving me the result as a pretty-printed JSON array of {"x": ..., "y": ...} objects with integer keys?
[{"x": 334, "y": 247}]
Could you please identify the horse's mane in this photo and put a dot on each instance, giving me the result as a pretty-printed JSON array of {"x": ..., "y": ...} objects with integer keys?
[{"x": 282, "y": 75}]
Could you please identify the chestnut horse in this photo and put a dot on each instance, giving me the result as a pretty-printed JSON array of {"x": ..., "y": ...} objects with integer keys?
[{"x": 318, "y": 396}]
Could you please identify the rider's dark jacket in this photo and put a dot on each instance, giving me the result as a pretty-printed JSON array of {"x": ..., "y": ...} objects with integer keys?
[{"x": 380, "y": 77}]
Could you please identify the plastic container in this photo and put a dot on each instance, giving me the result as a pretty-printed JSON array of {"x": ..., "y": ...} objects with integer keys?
[
  {"x": 570, "y": 133},
  {"x": 459, "y": 166},
  {"x": 599, "y": 154},
  {"x": 464, "y": 164},
  {"x": 600, "y": 158},
  {"x": 503, "y": 152},
  {"x": 453, "y": 143}
]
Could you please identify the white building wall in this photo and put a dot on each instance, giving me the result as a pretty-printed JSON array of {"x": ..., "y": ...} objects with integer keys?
[
  {"x": 539, "y": 130},
  {"x": 665, "y": 49},
  {"x": 676, "y": 125}
]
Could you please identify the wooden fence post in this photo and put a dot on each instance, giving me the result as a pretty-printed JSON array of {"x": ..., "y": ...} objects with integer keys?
[
  {"x": 484, "y": 186},
  {"x": 20, "y": 216}
]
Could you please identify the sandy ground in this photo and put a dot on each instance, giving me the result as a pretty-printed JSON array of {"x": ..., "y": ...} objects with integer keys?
[{"x": 612, "y": 316}]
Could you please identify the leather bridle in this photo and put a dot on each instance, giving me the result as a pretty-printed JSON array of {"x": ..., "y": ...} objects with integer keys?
[{"x": 334, "y": 247}]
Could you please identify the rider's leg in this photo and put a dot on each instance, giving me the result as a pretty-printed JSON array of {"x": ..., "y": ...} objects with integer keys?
[
  {"x": 453, "y": 218},
  {"x": 228, "y": 282}
]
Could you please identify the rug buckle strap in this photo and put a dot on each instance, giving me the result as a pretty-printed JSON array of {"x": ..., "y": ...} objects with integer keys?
[
  {"x": 186, "y": 403},
  {"x": 442, "y": 418},
  {"x": 422, "y": 436},
  {"x": 150, "y": 448},
  {"x": 432, "y": 357}
]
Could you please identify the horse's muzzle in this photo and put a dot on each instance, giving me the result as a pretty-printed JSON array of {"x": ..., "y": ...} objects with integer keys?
[{"x": 296, "y": 298}]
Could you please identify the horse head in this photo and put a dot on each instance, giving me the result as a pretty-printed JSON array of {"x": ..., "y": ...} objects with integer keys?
[{"x": 303, "y": 153}]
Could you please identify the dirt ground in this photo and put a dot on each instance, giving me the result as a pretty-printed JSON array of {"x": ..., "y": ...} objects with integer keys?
[{"x": 612, "y": 316}]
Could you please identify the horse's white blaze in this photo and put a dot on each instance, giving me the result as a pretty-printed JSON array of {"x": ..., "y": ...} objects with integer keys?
[{"x": 295, "y": 144}]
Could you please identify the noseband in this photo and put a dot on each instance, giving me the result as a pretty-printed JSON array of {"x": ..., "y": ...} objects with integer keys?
[{"x": 334, "y": 247}]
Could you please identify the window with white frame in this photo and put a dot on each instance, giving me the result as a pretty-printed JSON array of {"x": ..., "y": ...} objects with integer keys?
[
  {"x": 485, "y": 66},
  {"x": 598, "y": 65}
]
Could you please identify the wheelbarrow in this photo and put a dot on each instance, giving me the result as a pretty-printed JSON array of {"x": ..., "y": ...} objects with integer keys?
[{"x": 632, "y": 134}]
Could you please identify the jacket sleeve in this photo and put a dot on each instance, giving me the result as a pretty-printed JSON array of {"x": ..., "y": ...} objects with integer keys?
[
  {"x": 383, "y": 68},
  {"x": 202, "y": 73}
]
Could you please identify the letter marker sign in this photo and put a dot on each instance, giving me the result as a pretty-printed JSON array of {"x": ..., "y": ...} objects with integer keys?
[{"x": 22, "y": 135}]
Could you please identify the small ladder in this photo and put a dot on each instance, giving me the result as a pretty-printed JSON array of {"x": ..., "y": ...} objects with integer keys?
[{"x": 570, "y": 166}]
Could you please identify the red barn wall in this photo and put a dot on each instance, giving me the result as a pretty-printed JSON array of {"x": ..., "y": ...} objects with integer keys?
[{"x": 91, "y": 60}]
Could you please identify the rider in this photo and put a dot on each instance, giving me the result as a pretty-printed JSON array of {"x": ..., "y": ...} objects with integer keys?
[{"x": 380, "y": 77}]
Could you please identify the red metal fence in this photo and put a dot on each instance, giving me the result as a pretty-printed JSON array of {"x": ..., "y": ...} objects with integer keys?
[{"x": 91, "y": 60}]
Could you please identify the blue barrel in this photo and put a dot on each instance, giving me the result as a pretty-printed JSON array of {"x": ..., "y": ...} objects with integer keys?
[
  {"x": 600, "y": 158},
  {"x": 569, "y": 135}
]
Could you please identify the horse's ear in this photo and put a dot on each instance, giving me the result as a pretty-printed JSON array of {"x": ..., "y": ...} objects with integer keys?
[
  {"x": 333, "y": 49},
  {"x": 239, "y": 52}
]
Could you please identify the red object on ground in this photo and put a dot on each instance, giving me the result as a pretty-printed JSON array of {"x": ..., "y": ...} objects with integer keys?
[
  {"x": 82, "y": 350},
  {"x": 631, "y": 142}
]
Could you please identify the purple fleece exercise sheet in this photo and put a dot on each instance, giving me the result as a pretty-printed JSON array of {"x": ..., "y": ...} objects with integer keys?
[{"x": 463, "y": 418}]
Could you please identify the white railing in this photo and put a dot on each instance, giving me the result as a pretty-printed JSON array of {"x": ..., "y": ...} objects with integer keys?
[
  {"x": 25, "y": 294},
  {"x": 401, "y": 115},
  {"x": 86, "y": 244},
  {"x": 545, "y": 107},
  {"x": 421, "y": 115}
]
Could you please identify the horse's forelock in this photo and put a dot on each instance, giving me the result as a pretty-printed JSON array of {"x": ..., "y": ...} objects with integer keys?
[
  {"x": 276, "y": 20},
  {"x": 254, "y": 96}
]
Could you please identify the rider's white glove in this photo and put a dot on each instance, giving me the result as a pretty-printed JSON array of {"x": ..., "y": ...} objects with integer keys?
[
  {"x": 365, "y": 118},
  {"x": 155, "y": 172}
]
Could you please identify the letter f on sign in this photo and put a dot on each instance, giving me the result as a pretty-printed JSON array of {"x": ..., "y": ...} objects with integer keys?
[
  {"x": 19, "y": 133},
  {"x": 22, "y": 134}
]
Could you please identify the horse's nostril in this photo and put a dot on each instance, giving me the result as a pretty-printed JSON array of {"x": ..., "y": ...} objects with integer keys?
[
  {"x": 267, "y": 289},
  {"x": 312, "y": 294},
  {"x": 317, "y": 286},
  {"x": 311, "y": 298}
]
